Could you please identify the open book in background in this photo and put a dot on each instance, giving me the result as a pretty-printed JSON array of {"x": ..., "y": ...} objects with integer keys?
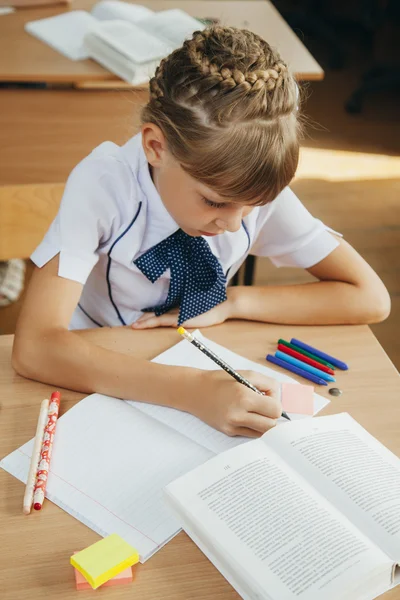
[
  {"x": 311, "y": 510},
  {"x": 128, "y": 39},
  {"x": 112, "y": 459}
]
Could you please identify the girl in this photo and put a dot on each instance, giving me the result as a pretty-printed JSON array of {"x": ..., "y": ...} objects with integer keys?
[{"x": 148, "y": 234}]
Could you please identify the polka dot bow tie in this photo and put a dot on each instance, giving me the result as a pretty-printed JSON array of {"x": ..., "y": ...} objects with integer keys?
[{"x": 197, "y": 281}]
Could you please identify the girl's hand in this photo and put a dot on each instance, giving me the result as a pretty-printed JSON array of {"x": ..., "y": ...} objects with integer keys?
[
  {"x": 231, "y": 407},
  {"x": 215, "y": 316}
]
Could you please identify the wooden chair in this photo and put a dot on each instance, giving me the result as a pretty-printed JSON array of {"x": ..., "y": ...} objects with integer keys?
[{"x": 26, "y": 212}]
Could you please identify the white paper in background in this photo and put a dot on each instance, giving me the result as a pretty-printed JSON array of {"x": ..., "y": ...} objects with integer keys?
[
  {"x": 108, "y": 10},
  {"x": 173, "y": 25},
  {"x": 131, "y": 41},
  {"x": 184, "y": 354},
  {"x": 64, "y": 33},
  {"x": 6, "y": 10}
]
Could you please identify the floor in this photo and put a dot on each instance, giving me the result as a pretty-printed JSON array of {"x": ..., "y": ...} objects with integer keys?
[{"x": 349, "y": 176}]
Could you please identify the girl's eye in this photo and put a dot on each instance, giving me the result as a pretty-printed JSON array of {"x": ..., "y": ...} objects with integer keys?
[{"x": 213, "y": 204}]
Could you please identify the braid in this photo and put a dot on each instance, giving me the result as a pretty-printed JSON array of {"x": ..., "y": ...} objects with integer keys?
[
  {"x": 227, "y": 105},
  {"x": 217, "y": 61}
]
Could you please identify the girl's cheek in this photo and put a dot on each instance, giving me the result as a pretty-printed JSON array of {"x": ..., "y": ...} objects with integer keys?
[{"x": 247, "y": 210}]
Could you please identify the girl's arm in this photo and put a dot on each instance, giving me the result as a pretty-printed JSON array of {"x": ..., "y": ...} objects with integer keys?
[
  {"x": 348, "y": 292},
  {"x": 45, "y": 350}
]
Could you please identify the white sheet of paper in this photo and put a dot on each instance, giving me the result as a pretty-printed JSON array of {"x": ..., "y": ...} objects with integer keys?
[
  {"x": 64, "y": 33},
  {"x": 6, "y": 10}
]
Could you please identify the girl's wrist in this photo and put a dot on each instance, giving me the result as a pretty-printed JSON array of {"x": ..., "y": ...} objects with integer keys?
[
  {"x": 235, "y": 295},
  {"x": 178, "y": 390}
]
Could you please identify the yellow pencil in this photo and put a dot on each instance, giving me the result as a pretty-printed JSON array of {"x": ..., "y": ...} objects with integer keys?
[{"x": 30, "y": 482}]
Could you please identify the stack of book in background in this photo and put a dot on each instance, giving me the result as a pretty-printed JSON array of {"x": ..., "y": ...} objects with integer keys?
[{"x": 127, "y": 39}]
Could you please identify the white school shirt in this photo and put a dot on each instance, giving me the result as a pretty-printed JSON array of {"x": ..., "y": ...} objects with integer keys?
[{"x": 111, "y": 213}]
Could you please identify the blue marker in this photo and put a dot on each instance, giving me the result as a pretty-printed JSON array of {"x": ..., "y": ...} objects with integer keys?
[
  {"x": 302, "y": 365},
  {"x": 289, "y": 367},
  {"x": 334, "y": 361}
]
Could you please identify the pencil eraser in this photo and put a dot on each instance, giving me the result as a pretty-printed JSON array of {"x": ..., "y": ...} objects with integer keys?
[
  {"x": 298, "y": 398},
  {"x": 105, "y": 559},
  {"x": 125, "y": 576}
]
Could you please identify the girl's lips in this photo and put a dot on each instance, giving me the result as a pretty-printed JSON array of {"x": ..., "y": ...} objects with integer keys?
[{"x": 210, "y": 234}]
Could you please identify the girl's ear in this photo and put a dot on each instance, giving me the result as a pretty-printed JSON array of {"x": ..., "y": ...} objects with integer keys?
[{"x": 154, "y": 144}]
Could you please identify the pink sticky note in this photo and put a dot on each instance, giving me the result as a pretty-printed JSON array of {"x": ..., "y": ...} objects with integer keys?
[
  {"x": 123, "y": 577},
  {"x": 298, "y": 398}
]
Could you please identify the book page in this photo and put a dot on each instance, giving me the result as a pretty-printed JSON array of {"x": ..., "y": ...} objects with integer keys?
[
  {"x": 109, "y": 10},
  {"x": 130, "y": 41},
  {"x": 351, "y": 468},
  {"x": 185, "y": 354},
  {"x": 272, "y": 527},
  {"x": 64, "y": 33},
  {"x": 173, "y": 25},
  {"x": 109, "y": 466}
]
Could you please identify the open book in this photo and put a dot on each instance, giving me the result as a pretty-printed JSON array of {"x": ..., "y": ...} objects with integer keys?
[
  {"x": 310, "y": 510},
  {"x": 112, "y": 459},
  {"x": 128, "y": 39}
]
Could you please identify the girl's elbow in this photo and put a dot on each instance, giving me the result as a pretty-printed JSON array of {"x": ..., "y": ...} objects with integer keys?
[
  {"x": 23, "y": 358},
  {"x": 377, "y": 306}
]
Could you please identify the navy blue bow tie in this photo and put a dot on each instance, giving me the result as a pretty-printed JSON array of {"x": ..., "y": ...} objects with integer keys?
[{"x": 197, "y": 281}]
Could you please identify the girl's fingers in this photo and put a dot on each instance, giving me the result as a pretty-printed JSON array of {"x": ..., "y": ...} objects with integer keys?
[
  {"x": 265, "y": 384},
  {"x": 264, "y": 406},
  {"x": 258, "y": 424},
  {"x": 169, "y": 319},
  {"x": 245, "y": 432},
  {"x": 144, "y": 317}
]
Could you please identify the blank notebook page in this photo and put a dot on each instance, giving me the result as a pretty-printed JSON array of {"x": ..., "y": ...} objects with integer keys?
[{"x": 109, "y": 466}]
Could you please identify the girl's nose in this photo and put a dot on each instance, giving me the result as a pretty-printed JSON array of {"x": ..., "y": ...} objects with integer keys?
[{"x": 231, "y": 222}]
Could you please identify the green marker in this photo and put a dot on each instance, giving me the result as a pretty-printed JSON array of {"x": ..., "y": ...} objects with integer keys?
[{"x": 305, "y": 353}]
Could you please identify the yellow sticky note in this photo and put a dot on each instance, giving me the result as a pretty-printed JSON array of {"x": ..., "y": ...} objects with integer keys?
[{"x": 105, "y": 559}]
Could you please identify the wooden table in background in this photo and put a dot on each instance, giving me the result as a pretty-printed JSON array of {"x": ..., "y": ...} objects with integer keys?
[
  {"x": 25, "y": 58},
  {"x": 36, "y": 549},
  {"x": 45, "y": 133}
]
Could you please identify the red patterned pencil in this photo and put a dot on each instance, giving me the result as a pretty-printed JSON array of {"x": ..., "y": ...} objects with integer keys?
[{"x": 45, "y": 454}]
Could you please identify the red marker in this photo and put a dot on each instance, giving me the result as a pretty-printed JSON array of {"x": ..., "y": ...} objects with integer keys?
[{"x": 305, "y": 359}]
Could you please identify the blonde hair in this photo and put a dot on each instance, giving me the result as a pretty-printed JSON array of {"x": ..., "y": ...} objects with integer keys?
[{"x": 228, "y": 108}]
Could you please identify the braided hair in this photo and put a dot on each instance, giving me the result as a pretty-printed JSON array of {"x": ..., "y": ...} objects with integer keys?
[{"x": 227, "y": 105}]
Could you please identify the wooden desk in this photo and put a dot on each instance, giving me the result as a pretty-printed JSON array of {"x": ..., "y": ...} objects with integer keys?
[
  {"x": 24, "y": 58},
  {"x": 36, "y": 549}
]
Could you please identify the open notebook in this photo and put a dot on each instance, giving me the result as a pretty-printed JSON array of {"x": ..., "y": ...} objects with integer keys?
[{"x": 112, "y": 459}]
